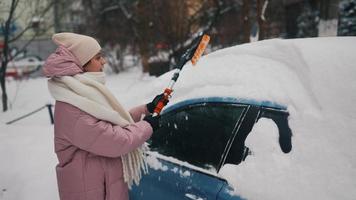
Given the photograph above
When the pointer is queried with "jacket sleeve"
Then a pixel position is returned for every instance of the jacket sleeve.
(104, 139)
(138, 111)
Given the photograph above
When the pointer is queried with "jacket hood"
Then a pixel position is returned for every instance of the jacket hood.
(62, 63)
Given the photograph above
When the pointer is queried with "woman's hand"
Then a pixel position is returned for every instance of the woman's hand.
(152, 105)
(153, 121)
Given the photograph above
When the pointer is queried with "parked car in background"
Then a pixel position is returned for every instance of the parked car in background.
(196, 138)
(24, 67)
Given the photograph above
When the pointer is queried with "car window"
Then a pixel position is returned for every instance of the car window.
(281, 120)
(197, 134)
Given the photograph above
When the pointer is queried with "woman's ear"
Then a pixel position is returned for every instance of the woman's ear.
(85, 65)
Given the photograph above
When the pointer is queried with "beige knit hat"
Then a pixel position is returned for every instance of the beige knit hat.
(83, 47)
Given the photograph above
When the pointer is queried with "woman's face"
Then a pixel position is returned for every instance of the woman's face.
(96, 64)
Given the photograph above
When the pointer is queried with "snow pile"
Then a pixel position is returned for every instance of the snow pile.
(27, 169)
(320, 97)
(314, 78)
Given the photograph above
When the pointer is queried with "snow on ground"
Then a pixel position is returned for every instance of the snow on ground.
(27, 162)
(314, 78)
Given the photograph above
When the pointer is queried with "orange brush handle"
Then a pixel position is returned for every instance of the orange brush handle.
(200, 49)
(161, 103)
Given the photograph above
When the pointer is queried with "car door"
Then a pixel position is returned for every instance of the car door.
(165, 180)
(192, 140)
(169, 178)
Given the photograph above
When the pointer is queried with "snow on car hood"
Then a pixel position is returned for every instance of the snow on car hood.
(316, 79)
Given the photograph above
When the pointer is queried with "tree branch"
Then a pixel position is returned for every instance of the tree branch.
(28, 27)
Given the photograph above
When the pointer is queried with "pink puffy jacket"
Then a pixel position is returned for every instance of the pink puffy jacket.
(89, 149)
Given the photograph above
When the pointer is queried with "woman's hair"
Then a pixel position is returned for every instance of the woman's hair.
(84, 66)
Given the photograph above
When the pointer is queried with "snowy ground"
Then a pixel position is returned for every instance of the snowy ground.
(314, 78)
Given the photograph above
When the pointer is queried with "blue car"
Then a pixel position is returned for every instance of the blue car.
(196, 138)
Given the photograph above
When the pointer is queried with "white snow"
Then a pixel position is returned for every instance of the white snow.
(185, 173)
(154, 163)
(314, 78)
(327, 28)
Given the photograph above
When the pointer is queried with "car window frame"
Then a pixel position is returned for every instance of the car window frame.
(270, 113)
(236, 127)
(241, 121)
(256, 115)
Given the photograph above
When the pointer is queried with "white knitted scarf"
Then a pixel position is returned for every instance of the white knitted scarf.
(87, 92)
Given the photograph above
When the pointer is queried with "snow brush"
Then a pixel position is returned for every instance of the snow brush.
(193, 53)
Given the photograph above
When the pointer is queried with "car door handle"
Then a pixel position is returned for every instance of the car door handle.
(193, 196)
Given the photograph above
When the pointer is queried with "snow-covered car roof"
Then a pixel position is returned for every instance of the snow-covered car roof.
(302, 73)
(315, 79)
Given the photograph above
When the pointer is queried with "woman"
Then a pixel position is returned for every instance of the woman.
(97, 142)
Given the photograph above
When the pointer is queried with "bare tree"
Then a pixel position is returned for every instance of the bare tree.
(158, 25)
(148, 24)
(38, 13)
(116, 24)
(4, 56)
(261, 6)
(201, 16)
(246, 20)
(329, 10)
(176, 22)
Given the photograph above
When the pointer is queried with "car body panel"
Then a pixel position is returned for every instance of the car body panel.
(161, 183)
(172, 180)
